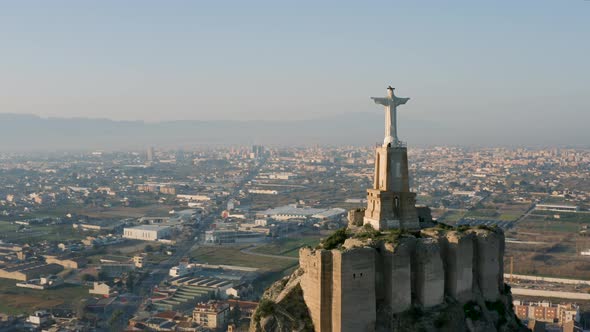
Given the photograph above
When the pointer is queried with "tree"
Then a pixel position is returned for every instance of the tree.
(87, 277)
(236, 314)
(115, 319)
(102, 275)
(129, 282)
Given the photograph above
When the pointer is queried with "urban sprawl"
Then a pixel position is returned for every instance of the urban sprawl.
(179, 240)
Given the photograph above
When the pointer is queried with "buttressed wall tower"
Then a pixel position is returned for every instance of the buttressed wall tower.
(390, 204)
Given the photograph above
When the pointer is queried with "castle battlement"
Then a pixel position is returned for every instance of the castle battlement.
(343, 287)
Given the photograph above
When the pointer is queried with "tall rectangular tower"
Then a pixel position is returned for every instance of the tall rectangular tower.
(390, 204)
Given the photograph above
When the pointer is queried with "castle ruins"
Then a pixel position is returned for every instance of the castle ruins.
(343, 286)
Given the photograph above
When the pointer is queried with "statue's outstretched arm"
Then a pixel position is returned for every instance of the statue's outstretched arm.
(401, 101)
(381, 101)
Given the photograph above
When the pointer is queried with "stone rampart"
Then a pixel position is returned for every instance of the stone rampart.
(457, 251)
(397, 273)
(316, 284)
(429, 275)
(489, 263)
(355, 217)
(354, 304)
(342, 287)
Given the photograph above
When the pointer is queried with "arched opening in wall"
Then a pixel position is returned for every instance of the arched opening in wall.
(377, 169)
(396, 206)
(354, 276)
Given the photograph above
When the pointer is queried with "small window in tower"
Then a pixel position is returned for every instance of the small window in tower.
(354, 276)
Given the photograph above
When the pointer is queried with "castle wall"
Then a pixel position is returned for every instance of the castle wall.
(488, 268)
(316, 284)
(354, 303)
(341, 288)
(355, 217)
(457, 252)
(397, 277)
(429, 275)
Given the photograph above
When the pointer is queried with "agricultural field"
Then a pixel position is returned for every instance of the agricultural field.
(10, 232)
(126, 212)
(580, 217)
(500, 212)
(550, 246)
(288, 246)
(124, 252)
(451, 217)
(15, 300)
(234, 255)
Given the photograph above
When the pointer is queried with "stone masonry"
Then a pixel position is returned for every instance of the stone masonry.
(390, 204)
(341, 287)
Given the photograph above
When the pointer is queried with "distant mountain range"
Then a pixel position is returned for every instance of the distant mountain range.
(33, 133)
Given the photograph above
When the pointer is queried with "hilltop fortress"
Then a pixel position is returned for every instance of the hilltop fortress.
(393, 268)
(346, 289)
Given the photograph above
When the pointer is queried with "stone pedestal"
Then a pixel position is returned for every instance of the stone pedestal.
(390, 204)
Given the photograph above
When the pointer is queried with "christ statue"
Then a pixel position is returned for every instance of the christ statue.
(391, 102)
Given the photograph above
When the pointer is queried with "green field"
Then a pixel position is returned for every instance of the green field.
(564, 216)
(7, 228)
(231, 255)
(483, 214)
(289, 246)
(15, 300)
(451, 217)
(507, 216)
(541, 223)
(35, 233)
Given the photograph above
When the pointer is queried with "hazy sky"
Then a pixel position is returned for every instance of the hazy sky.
(507, 65)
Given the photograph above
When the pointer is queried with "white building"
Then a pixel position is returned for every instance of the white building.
(147, 232)
(263, 191)
(179, 271)
(193, 197)
(557, 207)
(293, 211)
(40, 317)
(101, 288)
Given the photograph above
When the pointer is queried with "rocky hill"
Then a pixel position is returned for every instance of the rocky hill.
(436, 279)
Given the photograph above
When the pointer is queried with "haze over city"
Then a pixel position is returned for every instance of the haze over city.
(488, 73)
(281, 166)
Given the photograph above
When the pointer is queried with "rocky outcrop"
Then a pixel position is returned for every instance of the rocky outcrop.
(283, 308)
(434, 279)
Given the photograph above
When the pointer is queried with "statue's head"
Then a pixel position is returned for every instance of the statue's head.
(390, 91)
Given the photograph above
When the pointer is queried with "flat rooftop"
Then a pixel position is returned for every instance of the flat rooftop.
(149, 227)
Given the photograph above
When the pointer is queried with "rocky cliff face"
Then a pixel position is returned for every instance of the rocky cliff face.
(282, 307)
(359, 279)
